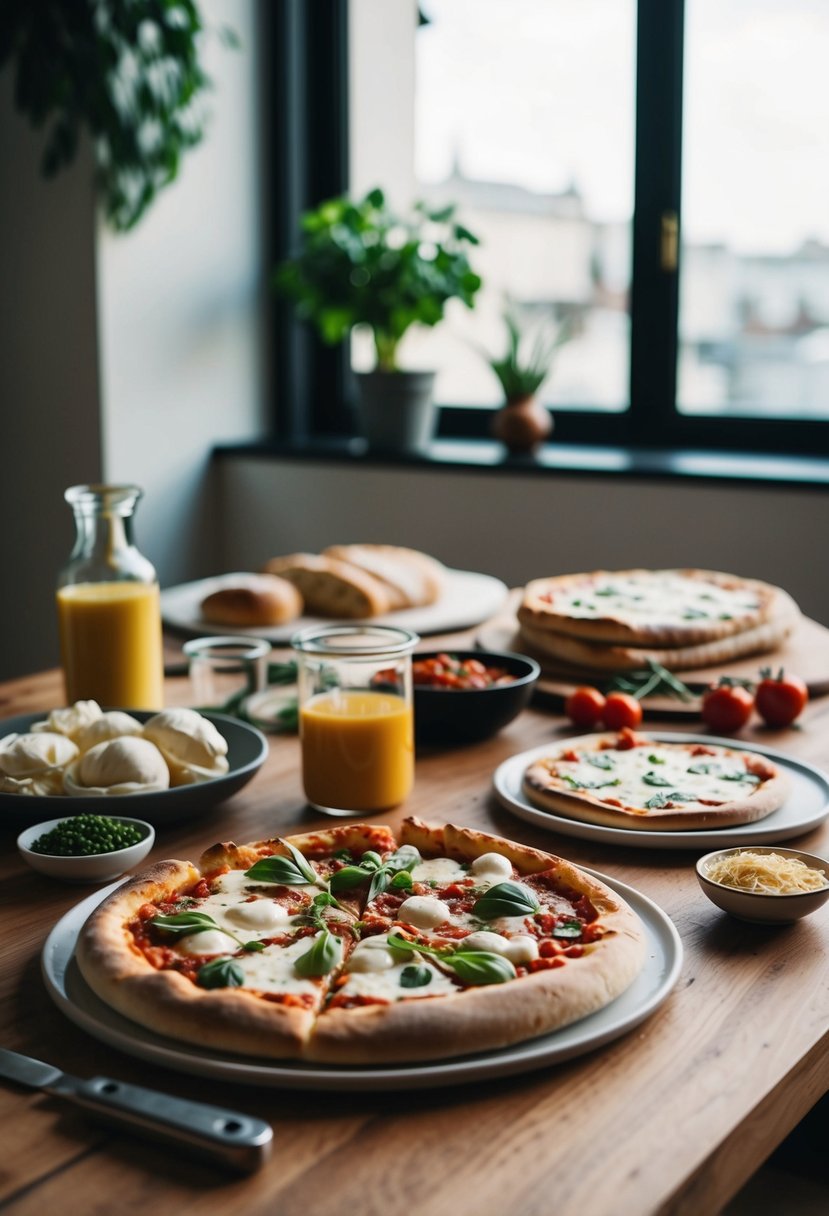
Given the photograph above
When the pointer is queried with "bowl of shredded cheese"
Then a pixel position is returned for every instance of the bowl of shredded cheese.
(773, 886)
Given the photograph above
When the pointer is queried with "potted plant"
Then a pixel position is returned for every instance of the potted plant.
(362, 264)
(126, 76)
(523, 422)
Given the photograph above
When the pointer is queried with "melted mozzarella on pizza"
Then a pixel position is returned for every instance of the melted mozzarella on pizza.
(238, 903)
(659, 597)
(651, 776)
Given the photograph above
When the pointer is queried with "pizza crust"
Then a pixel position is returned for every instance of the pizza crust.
(589, 807)
(475, 1019)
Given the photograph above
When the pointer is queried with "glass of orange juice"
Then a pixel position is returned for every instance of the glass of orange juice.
(356, 721)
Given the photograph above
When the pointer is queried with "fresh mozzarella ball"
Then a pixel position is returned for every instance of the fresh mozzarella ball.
(33, 763)
(424, 911)
(208, 941)
(492, 866)
(192, 746)
(258, 914)
(27, 755)
(375, 954)
(482, 939)
(118, 766)
(111, 725)
(70, 721)
(521, 949)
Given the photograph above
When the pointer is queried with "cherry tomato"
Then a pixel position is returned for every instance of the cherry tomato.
(585, 706)
(781, 698)
(621, 709)
(726, 707)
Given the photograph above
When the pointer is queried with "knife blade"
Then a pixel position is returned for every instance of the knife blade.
(237, 1141)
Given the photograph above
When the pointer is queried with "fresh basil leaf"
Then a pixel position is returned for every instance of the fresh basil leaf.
(344, 855)
(380, 880)
(347, 878)
(406, 858)
(220, 973)
(606, 591)
(702, 767)
(371, 860)
(695, 614)
(568, 928)
(480, 967)
(254, 946)
(505, 899)
(658, 800)
(602, 760)
(653, 758)
(402, 881)
(280, 870)
(324, 900)
(590, 785)
(181, 923)
(325, 954)
(655, 779)
(302, 863)
(400, 945)
(415, 975)
(749, 778)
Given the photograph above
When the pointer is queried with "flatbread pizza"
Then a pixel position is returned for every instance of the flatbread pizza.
(628, 780)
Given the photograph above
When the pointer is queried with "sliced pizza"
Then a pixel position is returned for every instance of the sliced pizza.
(627, 780)
(353, 946)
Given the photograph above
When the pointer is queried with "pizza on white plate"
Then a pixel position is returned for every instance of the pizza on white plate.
(628, 780)
(354, 946)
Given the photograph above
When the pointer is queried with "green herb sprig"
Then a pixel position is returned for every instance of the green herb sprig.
(477, 967)
(506, 899)
(656, 679)
(394, 872)
(182, 924)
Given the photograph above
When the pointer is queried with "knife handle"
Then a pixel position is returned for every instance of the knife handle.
(226, 1137)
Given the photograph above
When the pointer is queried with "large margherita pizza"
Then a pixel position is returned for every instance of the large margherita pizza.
(352, 946)
(628, 780)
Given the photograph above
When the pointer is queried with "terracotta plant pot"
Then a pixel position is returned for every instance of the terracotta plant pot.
(396, 410)
(522, 424)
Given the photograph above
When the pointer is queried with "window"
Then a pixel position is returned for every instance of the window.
(652, 175)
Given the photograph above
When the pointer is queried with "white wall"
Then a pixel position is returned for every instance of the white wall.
(133, 369)
(521, 527)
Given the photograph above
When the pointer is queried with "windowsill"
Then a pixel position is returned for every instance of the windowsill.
(564, 459)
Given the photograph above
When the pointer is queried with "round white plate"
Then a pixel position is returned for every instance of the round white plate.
(806, 806)
(663, 961)
(467, 599)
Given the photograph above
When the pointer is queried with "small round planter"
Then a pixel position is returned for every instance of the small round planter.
(522, 425)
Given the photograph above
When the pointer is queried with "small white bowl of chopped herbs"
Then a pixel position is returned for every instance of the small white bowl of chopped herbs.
(86, 848)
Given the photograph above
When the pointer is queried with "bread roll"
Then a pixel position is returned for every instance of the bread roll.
(412, 579)
(256, 600)
(332, 588)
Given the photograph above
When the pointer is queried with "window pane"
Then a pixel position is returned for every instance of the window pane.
(524, 117)
(754, 288)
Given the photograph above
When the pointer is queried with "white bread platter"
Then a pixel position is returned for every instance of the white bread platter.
(467, 599)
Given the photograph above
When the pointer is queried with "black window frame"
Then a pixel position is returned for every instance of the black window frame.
(308, 101)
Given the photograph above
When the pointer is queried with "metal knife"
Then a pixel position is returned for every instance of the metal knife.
(226, 1137)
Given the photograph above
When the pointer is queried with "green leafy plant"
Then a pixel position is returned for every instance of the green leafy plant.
(529, 354)
(362, 264)
(125, 73)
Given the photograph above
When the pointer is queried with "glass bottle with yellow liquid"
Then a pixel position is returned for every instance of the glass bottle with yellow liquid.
(109, 612)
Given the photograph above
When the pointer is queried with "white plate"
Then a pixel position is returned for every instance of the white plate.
(467, 599)
(806, 806)
(663, 961)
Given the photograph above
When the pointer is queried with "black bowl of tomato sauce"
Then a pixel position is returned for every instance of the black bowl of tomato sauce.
(463, 696)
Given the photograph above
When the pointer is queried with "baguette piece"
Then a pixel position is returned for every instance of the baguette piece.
(412, 579)
(330, 587)
(255, 600)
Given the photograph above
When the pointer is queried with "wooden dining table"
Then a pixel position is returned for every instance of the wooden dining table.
(672, 1116)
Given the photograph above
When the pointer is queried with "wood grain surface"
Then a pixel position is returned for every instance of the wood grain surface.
(671, 1118)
